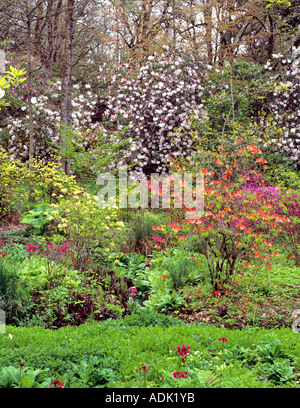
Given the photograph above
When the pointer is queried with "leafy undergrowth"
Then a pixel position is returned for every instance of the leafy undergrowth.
(265, 299)
(112, 354)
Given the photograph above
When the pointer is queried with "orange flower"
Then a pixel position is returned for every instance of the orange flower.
(208, 213)
(164, 276)
(177, 228)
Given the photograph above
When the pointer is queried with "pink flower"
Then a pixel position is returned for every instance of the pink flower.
(51, 246)
(133, 291)
(223, 339)
(89, 261)
(147, 262)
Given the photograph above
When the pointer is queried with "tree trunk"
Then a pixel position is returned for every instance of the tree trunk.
(66, 103)
(30, 119)
(50, 39)
(208, 30)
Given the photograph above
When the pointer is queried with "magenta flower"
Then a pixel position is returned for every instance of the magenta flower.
(31, 248)
(183, 350)
(223, 339)
(89, 261)
(56, 384)
(51, 246)
(147, 262)
(180, 374)
(145, 368)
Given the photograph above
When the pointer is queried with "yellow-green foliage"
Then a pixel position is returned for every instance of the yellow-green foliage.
(50, 182)
(11, 175)
(14, 77)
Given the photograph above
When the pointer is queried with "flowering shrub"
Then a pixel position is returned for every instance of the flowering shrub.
(50, 182)
(151, 98)
(85, 224)
(284, 104)
(237, 222)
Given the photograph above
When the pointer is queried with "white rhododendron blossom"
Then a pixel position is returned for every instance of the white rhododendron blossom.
(152, 102)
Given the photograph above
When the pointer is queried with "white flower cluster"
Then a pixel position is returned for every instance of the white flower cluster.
(162, 96)
(285, 107)
(46, 114)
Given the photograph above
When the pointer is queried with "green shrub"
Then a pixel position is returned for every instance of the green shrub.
(270, 352)
(280, 371)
